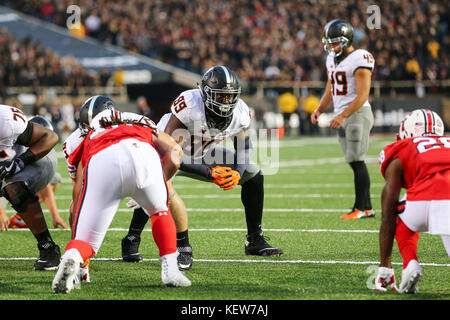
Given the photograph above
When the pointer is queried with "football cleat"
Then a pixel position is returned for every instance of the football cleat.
(185, 257)
(17, 222)
(256, 245)
(411, 276)
(130, 249)
(358, 214)
(170, 275)
(67, 276)
(49, 257)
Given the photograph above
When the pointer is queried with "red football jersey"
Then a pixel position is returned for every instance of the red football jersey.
(102, 138)
(426, 166)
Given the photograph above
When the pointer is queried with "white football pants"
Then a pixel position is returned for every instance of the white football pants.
(129, 168)
(429, 216)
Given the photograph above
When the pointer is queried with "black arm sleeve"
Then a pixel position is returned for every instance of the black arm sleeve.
(200, 170)
(25, 137)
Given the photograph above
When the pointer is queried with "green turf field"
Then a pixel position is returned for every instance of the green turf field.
(324, 257)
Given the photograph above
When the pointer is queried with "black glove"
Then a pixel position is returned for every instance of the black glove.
(9, 168)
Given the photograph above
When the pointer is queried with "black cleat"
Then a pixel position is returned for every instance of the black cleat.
(130, 249)
(185, 258)
(256, 245)
(49, 256)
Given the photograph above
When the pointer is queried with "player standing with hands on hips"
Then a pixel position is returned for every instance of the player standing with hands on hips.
(348, 88)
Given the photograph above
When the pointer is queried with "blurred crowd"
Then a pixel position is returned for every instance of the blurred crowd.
(26, 63)
(264, 39)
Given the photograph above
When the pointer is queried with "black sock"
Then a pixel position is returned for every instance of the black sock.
(362, 186)
(43, 236)
(138, 222)
(183, 239)
(252, 197)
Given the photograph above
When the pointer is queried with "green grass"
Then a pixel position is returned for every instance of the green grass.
(323, 259)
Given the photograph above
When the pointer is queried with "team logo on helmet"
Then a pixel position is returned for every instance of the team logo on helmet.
(421, 122)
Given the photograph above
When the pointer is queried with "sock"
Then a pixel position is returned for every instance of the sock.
(407, 242)
(183, 239)
(138, 222)
(43, 236)
(164, 232)
(252, 197)
(84, 248)
(362, 185)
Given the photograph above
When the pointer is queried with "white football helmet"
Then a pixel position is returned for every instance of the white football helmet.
(421, 122)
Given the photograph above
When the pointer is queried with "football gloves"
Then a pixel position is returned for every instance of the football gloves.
(225, 177)
(385, 280)
(10, 167)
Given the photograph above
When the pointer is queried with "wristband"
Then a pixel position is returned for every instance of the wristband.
(27, 157)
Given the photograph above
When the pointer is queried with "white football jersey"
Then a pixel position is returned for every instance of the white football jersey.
(341, 75)
(12, 124)
(73, 142)
(189, 109)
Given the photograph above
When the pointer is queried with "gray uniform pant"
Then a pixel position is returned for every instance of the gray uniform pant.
(354, 134)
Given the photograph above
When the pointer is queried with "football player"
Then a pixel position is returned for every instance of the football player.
(45, 195)
(419, 162)
(28, 162)
(200, 119)
(93, 106)
(348, 87)
(120, 157)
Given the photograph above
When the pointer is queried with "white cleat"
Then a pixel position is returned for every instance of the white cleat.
(171, 276)
(411, 276)
(68, 275)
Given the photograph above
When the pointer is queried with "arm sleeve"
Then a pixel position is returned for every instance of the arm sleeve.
(200, 170)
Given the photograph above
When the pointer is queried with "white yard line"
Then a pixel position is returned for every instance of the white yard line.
(191, 210)
(238, 196)
(236, 229)
(254, 261)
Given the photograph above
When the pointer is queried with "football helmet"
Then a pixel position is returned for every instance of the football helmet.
(220, 89)
(43, 121)
(92, 107)
(337, 31)
(421, 122)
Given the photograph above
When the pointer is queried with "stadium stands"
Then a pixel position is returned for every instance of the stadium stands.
(264, 40)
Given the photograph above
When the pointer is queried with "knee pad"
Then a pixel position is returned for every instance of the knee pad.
(19, 195)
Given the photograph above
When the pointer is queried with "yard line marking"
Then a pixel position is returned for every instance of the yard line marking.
(198, 210)
(237, 229)
(255, 261)
(314, 162)
(238, 196)
(268, 185)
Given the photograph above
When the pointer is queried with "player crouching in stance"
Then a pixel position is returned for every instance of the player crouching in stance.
(28, 162)
(200, 120)
(419, 162)
(121, 158)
